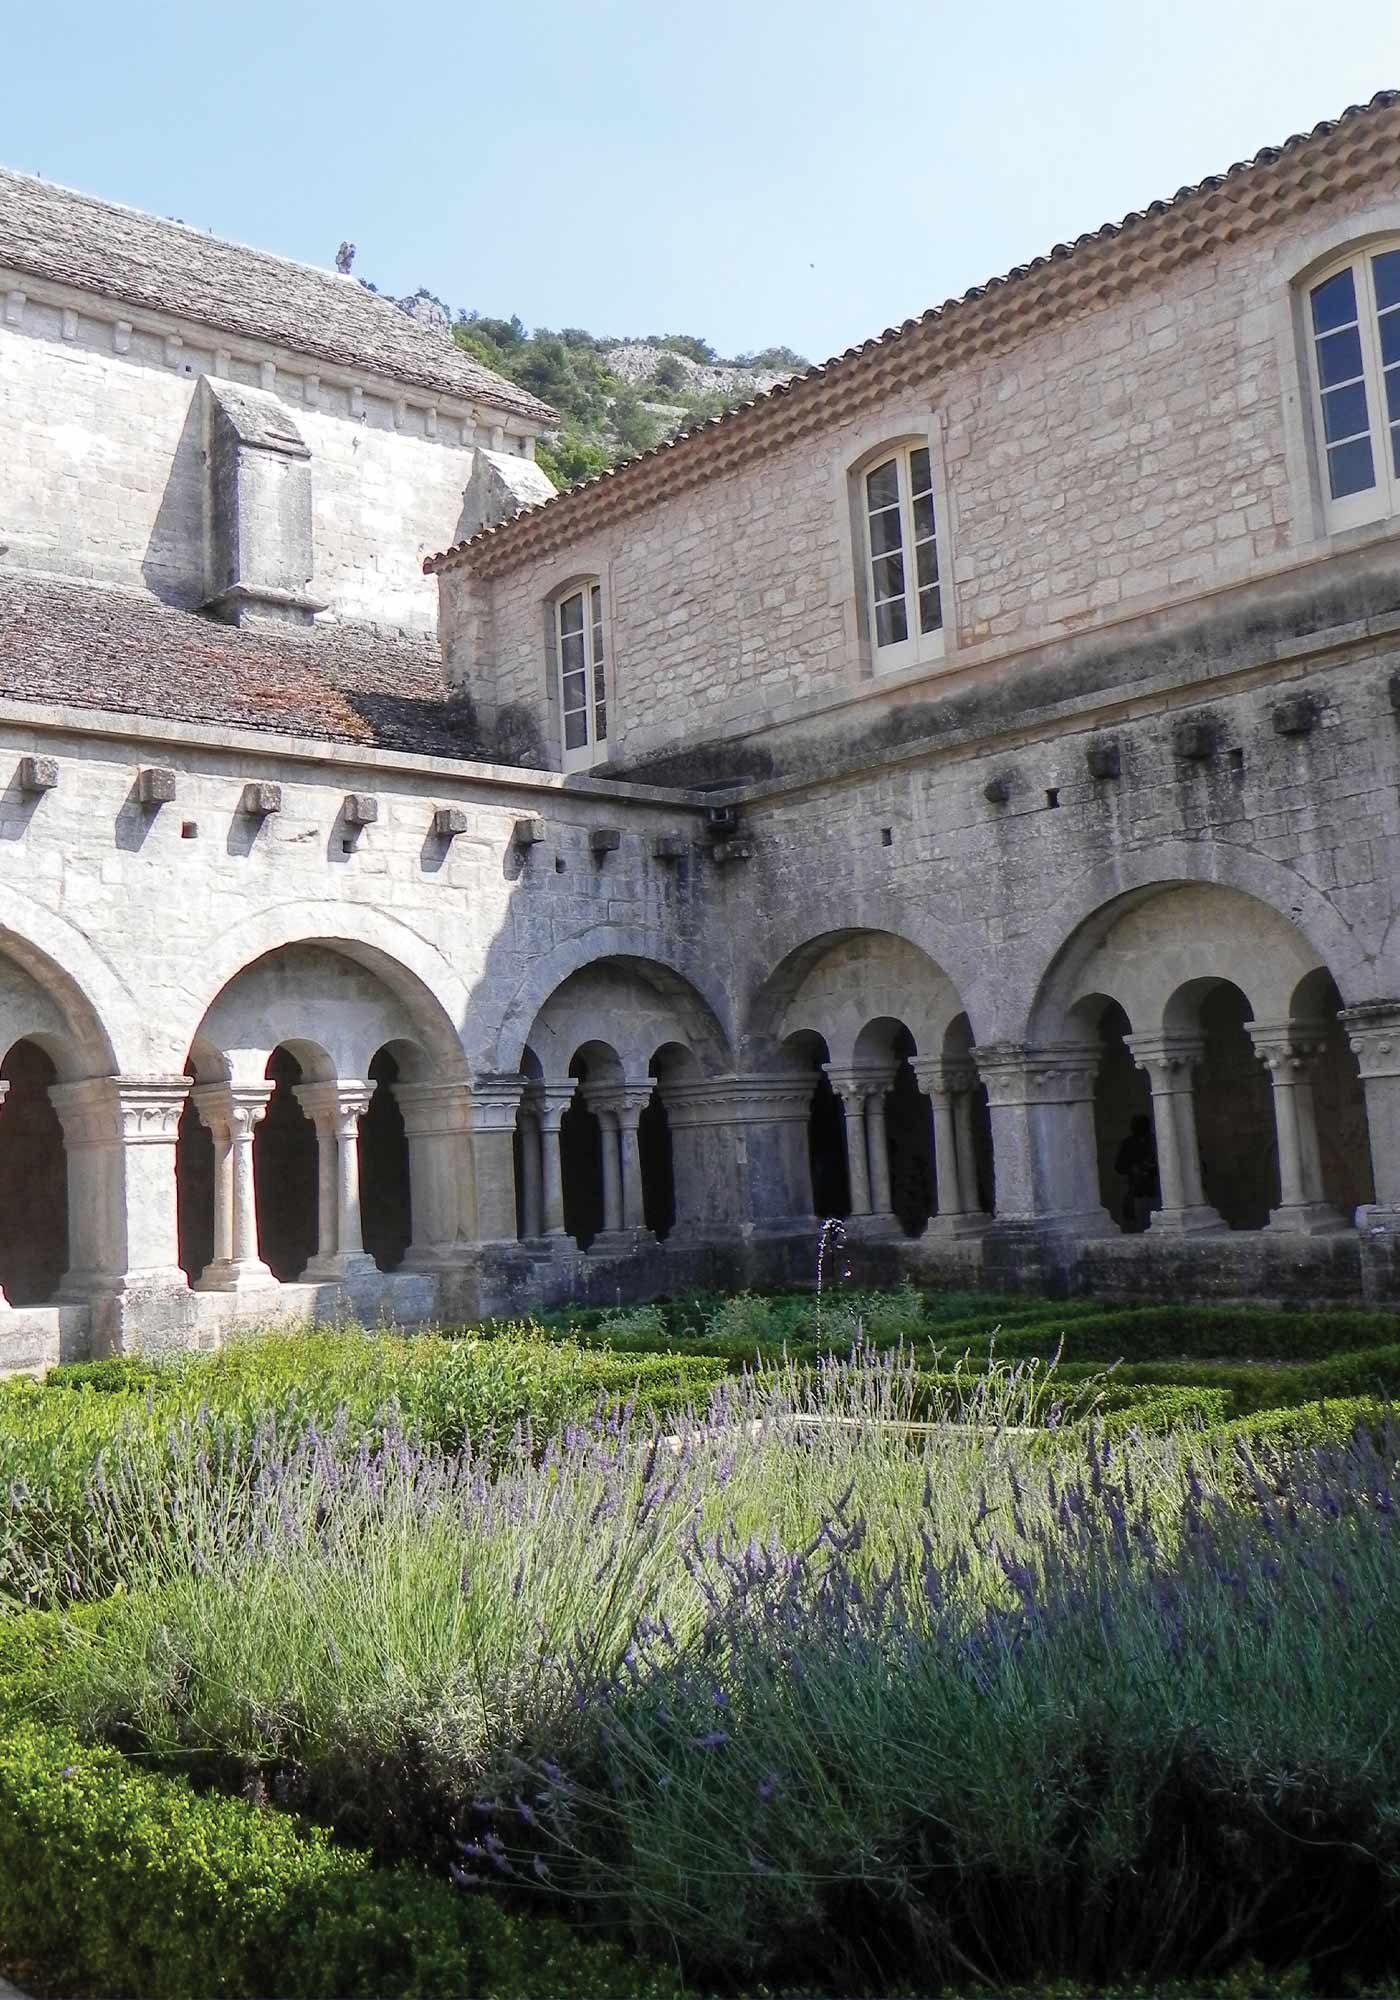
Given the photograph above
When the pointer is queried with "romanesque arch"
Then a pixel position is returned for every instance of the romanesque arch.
(1206, 1079)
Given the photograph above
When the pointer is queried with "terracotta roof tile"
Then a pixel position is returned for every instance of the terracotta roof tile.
(89, 646)
(98, 246)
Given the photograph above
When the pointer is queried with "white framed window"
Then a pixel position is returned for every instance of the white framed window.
(904, 590)
(581, 662)
(1353, 333)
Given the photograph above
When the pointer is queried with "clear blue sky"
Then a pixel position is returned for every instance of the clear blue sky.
(755, 173)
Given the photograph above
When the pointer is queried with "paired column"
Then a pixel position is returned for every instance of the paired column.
(1373, 1028)
(119, 1134)
(554, 1101)
(1289, 1052)
(950, 1085)
(531, 1170)
(618, 1108)
(862, 1091)
(1169, 1062)
(335, 1109)
(232, 1116)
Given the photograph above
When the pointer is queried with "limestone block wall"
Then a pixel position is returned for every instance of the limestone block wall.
(102, 445)
(1145, 455)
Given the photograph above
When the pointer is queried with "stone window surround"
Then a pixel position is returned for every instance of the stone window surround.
(581, 568)
(902, 429)
(192, 349)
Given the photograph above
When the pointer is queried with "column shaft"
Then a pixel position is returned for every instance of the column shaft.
(532, 1192)
(633, 1214)
(946, 1164)
(612, 1144)
(966, 1152)
(879, 1150)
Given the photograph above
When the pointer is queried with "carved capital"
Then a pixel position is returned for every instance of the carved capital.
(860, 1081)
(338, 1105)
(494, 1100)
(1167, 1059)
(434, 1110)
(1288, 1049)
(1018, 1073)
(121, 1111)
(624, 1101)
(945, 1076)
(230, 1112)
(1373, 1029)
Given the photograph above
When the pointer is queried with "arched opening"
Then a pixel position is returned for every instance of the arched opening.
(898, 1126)
(1339, 1103)
(1125, 1142)
(1235, 1132)
(285, 1159)
(527, 1159)
(672, 1063)
(803, 1054)
(581, 1142)
(194, 1188)
(33, 1180)
(386, 1215)
(975, 1128)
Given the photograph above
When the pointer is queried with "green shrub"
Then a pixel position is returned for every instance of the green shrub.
(119, 1882)
(1307, 1426)
(1150, 1333)
(1156, 1410)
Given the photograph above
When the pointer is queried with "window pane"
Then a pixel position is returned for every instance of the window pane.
(882, 486)
(600, 686)
(1392, 395)
(927, 564)
(575, 730)
(1395, 448)
(1350, 468)
(884, 532)
(1334, 303)
(1344, 412)
(575, 691)
(1385, 269)
(889, 577)
(1390, 336)
(1339, 357)
(571, 613)
(597, 623)
(921, 477)
(600, 722)
(891, 625)
(572, 653)
(930, 610)
(923, 518)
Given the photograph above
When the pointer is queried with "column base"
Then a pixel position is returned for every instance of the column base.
(619, 1242)
(236, 1274)
(338, 1270)
(1311, 1218)
(962, 1224)
(864, 1228)
(1202, 1220)
(1375, 1220)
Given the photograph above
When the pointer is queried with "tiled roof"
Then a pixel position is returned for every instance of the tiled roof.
(1337, 156)
(98, 246)
(84, 645)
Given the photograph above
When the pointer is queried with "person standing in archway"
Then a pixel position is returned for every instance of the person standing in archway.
(1137, 1164)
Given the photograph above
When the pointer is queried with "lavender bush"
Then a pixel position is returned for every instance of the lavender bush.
(797, 1691)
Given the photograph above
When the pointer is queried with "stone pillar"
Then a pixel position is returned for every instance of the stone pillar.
(710, 1155)
(437, 1125)
(629, 1110)
(878, 1147)
(489, 1197)
(1041, 1099)
(232, 1116)
(618, 1108)
(335, 1109)
(4, 1093)
(1169, 1061)
(119, 1134)
(555, 1099)
(949, 1085)
(610, 1134)
(1289, 1052)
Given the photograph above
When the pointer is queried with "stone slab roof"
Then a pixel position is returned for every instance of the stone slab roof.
(1279, 182)
(85, 645)
(119, 253)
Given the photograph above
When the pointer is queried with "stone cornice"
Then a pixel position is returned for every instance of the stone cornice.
(1145, 248)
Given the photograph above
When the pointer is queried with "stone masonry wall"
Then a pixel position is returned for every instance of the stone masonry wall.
(1144, 455)
(101, 445)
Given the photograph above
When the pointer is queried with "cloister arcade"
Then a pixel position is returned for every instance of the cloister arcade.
(1188, 1067)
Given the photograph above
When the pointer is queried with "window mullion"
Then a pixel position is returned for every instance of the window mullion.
(1376, 404)
(911, 568)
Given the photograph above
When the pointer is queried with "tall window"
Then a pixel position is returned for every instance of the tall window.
(1354, 328)
(906, 599)
(583, 686)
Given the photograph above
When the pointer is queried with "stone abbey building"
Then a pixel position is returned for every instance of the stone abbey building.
(958, 791)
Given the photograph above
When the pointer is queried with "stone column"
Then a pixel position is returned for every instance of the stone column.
(610, 1135)
(630, 1107)
(878, 1147)
(489, 1195)
(4, 1093)
(437, 1125)
(711, 1154)
(1373, 1029)
(119, 1134)
(1041, 1099)
(853, 1088)
(1289, 1052)
(335, 1109)
(555, 1099)
(949, 1085)
(1169, 1061)
(618, 1108)
(232, 1116)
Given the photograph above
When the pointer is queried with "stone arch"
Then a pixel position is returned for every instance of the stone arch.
(837, 984)
(498, 1043)
(634, 1006)
(434, 998)
(72, 1006)
(1011, 994)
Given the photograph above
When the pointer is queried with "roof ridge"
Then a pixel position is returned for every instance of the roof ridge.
(823, 371)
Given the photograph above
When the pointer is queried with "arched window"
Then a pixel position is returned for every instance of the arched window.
(899, 528)
(1353, 328)
(583, 680)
